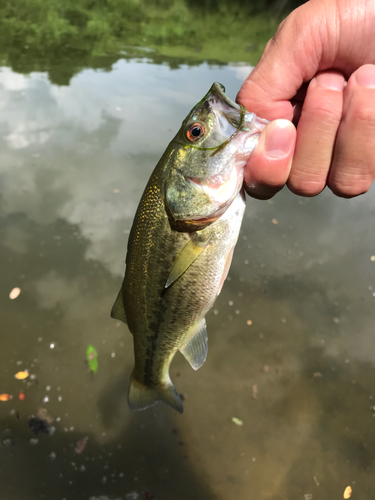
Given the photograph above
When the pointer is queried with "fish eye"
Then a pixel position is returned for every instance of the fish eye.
(195, 132)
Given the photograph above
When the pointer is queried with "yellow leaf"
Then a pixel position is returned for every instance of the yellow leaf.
(348, 492)
(5, 397)
(21, 375)
(14, 293)
(237, 421)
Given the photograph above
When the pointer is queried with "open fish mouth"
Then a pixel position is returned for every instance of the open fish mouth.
(218, 90)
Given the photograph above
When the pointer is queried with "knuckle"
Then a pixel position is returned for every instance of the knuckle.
(364, 114)
(349, 189)
(327, 111)
(351, 178)
(308, 188)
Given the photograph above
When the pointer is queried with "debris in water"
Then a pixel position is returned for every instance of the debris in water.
(15, 293)
(317, 375)
(5, 397)
(133, 495)
(372, 258)
(21, 396)
(266, 368)
(92, 358)
(21, 375)
(348, 492)
(254, 391)
(237, 421)
(249, 322)
(81, 445)
(44, 415)
(116, 191)
(275, 221)
(41, 422)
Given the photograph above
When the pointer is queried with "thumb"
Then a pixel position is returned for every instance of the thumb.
(293, 56)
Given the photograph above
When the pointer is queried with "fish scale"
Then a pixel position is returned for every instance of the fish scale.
(181, 243)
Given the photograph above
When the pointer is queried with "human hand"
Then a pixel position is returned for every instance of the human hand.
(323, 43)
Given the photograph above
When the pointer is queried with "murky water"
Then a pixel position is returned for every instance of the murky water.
(291, 337)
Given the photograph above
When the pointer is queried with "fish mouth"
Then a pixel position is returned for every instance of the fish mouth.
(218, 90)
(234, 112)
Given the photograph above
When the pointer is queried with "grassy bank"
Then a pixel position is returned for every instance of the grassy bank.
(63, 36)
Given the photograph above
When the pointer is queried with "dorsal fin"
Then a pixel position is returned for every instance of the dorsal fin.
(118, 310)
(193, 248)
(195, 351)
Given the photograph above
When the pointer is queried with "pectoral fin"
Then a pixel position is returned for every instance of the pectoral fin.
(118, 310)
(195, 351)
(193, 248)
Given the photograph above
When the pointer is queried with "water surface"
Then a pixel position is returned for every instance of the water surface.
(291, 337)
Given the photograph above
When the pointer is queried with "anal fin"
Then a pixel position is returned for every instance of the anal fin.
(118, 309)
(195, 350)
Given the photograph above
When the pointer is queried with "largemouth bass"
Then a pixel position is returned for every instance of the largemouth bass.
(181, 243)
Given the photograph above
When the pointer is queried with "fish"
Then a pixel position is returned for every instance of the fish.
(181, 243)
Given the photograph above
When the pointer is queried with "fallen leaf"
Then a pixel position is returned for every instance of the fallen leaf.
(21, 375)
(92, 358)
(275, 221)
(237, 421)
(348, 492)
(21, 396)
(15, 293)
(81, 445)
(5, 397)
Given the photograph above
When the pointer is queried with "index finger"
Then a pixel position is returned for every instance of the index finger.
(292, 57)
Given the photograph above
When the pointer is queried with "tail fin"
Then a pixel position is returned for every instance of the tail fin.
(142, 396)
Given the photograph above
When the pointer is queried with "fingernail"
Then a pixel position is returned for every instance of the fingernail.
(330, 80)
(278, 140)
(365, 76)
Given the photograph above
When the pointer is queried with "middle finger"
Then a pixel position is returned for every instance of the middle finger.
(316, 133)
